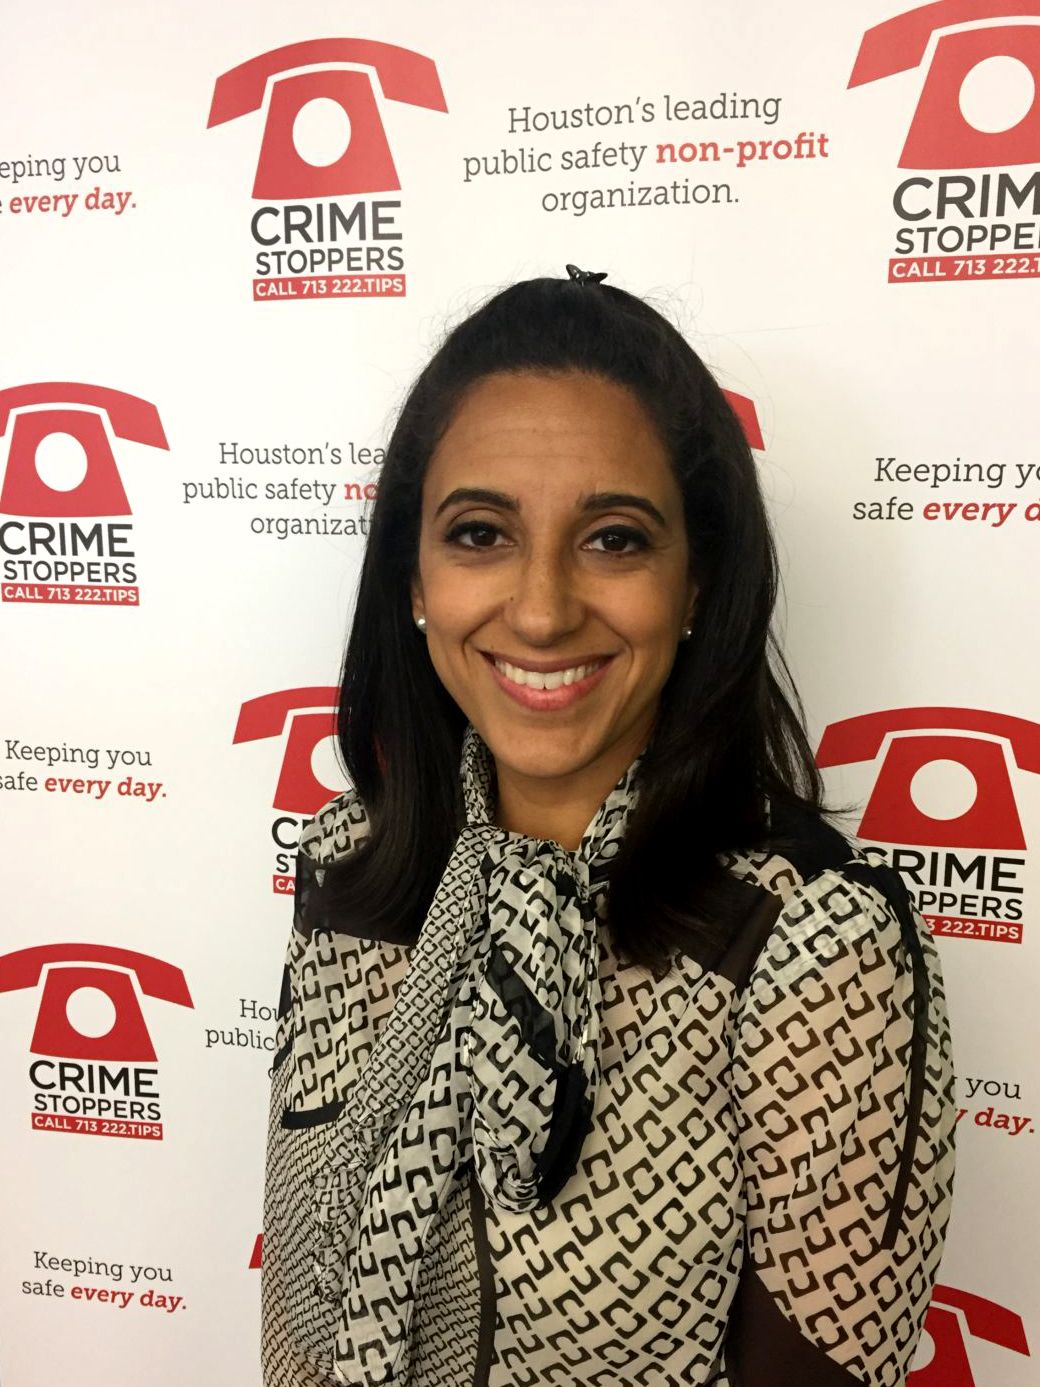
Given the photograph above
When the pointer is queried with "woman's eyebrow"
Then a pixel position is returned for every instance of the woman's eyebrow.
(596, 501)
(608, 500)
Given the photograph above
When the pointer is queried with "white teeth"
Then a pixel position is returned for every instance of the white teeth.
(555, 680)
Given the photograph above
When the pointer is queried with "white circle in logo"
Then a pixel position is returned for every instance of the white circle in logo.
(321, 132)
(324, 765)
(944, 789)
(997, 94)
(925, 1352)
(61, 461)
(90, 1012)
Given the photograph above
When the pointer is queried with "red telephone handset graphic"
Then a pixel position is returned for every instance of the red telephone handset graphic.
(366, 165)
(983, 1319)
(298, 791)
(68, 968)
(940, 137)
(972, 737)
(747, 414)
(101, 491)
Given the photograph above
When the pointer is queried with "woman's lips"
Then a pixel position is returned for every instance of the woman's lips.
(548, 700)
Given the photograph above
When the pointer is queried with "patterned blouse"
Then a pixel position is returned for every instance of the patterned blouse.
(762, 1200)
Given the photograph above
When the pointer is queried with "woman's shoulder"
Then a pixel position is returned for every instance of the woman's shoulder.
(802, 845)
(821, 891)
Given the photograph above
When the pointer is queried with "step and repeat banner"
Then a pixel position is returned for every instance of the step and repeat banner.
(231, 237)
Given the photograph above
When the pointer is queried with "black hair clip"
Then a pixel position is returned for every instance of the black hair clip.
(585, 276)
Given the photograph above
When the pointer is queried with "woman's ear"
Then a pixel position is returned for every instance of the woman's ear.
(691, 604)
(418, 606)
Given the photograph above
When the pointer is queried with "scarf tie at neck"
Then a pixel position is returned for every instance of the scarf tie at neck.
(488, 1060)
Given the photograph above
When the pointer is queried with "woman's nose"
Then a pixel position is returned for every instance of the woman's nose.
(544, 604)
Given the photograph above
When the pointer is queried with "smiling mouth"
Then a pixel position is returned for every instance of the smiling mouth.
(547, 679)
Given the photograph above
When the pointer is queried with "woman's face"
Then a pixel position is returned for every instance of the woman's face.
(553, 571)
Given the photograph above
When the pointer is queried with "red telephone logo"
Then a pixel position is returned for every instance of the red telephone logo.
(68, 968)
(939, 136)
(298, 791)
(101, 491)
(979, 741)
(747, 416)
(951, 1315)
(366, 165)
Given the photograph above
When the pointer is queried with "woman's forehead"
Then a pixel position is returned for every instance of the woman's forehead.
(569, 416)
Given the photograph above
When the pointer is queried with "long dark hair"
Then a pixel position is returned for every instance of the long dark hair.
(725, 733)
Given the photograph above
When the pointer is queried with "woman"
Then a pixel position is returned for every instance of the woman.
(602, 1057)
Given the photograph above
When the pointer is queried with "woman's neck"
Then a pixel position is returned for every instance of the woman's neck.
(557, 807)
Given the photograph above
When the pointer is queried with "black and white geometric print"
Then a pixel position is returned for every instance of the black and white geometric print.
(489, 1058)
(760, 1197)
(843, 1090)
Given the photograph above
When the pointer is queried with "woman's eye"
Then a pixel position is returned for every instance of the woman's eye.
(480, 534)
(619, 539)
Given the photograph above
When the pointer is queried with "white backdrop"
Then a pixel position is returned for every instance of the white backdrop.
(177, 569)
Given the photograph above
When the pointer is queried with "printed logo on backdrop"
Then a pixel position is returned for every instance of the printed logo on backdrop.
(303, 723)
(956, 1321)
(968, 206)
(944, 807)
(95, 1070)
(62, 538)
(322, 231)
(747, 416)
